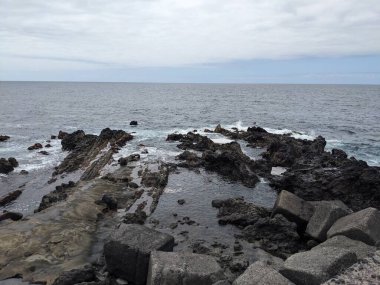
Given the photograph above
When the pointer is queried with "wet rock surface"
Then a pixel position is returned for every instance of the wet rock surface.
(10, 197)
(4, 138)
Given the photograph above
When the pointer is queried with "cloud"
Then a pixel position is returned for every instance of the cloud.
(171, 33)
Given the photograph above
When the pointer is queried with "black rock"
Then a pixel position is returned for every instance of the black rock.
(109, 201)
(133, 123)
(10, 215)
(10, 197)
(35, 146)
(13, 161)
(4, 138)
(181, 201)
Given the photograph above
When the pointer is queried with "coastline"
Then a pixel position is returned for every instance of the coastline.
(86, 208)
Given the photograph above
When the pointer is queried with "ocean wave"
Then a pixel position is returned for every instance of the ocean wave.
(294, 134)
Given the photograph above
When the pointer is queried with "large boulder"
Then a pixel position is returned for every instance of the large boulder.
(361, 249)
(317, 265)
(172, 268)
(363, 225)
(293, 208)
(325, 215)
(260, 273)
(128, 250)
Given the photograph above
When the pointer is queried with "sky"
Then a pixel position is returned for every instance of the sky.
(239, 41)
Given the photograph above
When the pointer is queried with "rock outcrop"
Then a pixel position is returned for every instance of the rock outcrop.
(4, 200)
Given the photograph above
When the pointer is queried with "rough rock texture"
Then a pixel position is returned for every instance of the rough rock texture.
(13, 162)
(325, 215)
(226, 159)
(366, 271)
(128, 250)
(172, 268)
(10, 197)
(276, 235)
(363, 225)
(260, 273)
(237, 212)
(75, 276)
(318, 265)
(293, 208)
(361, 249)
(84, 148)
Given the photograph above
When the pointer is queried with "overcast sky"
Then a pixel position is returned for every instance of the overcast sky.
(325, 41)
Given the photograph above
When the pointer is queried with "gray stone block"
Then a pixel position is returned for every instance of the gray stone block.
(361, 249)
(128, 250)
(260, 273)
(325, 215)
(172, 268)
(317, 265)
(293, 208)
(363, 225)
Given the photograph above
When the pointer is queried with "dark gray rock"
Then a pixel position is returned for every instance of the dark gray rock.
(325, 215)
(260, 273)
(128, 250)
(13, 162)
(109, 201)
(293, 208)
(35, 146)
(317, 265)
(4, 138)
(133, 123)
(172, 268)
(363, 225)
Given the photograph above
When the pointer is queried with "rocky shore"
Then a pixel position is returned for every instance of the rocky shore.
(99, 224)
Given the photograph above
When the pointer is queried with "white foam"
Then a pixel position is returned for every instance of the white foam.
(294, 134)
(221, 140)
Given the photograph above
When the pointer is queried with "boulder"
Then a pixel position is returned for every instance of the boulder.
(61, 135)
(315, 266)
(9, 197)
(75, 276)
(361, 249)
(260, 273)
(325, 215)
(35, 146)
(363, 225)
(172, 268)
(128, 250)
(5, 166)
(293, 208)
(133, 123)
